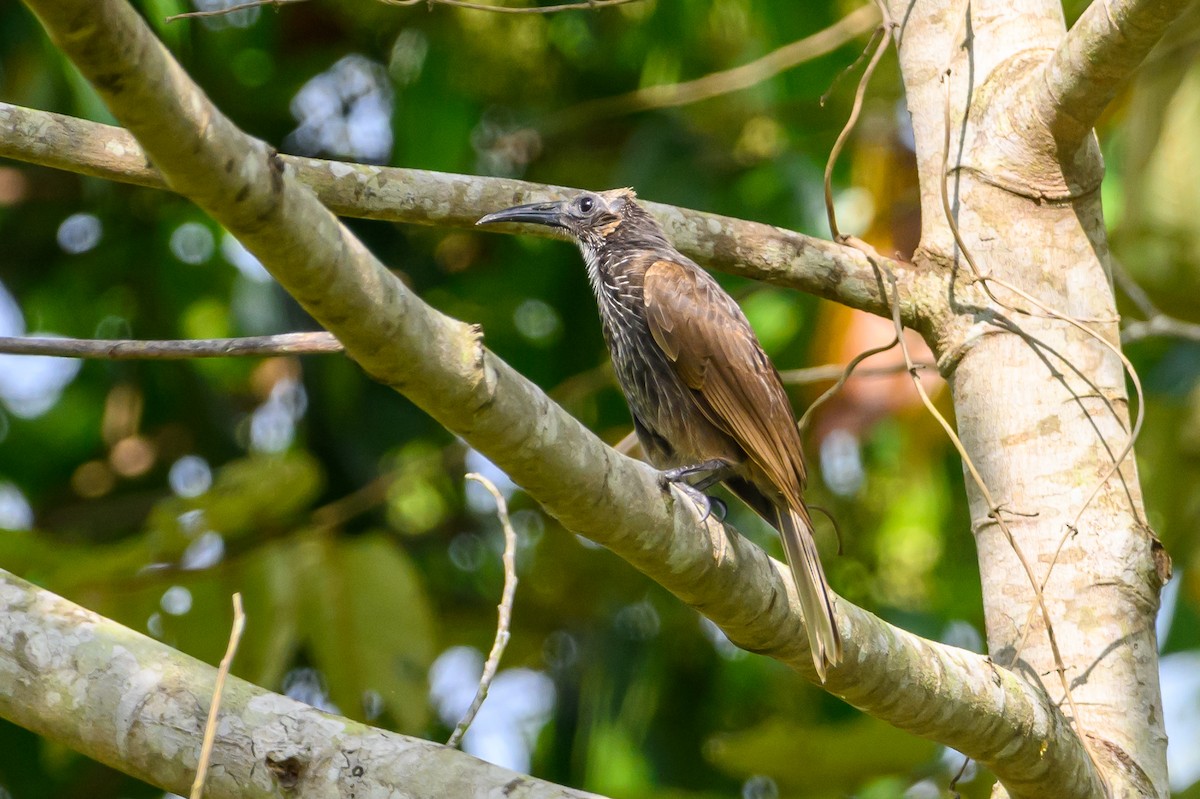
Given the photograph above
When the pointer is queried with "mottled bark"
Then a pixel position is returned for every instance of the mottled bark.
(1040, 404)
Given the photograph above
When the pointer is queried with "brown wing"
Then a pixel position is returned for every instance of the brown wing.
(714, 350)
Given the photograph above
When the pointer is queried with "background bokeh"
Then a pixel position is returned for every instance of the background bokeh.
(370, 569)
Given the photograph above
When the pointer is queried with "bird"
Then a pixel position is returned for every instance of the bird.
(708, 405)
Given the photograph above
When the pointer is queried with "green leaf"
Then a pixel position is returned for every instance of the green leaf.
(368, 627)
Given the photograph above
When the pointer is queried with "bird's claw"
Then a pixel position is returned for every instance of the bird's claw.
(676, 477)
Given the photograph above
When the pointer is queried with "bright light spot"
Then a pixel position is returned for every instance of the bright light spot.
(479, 499)
(372, 703)
(638, 622)
(1179, 674)
(190, 521)
(467, 551)
(760, 787)
(79, 233)
(529, 525)
(308, 686)
(271, 428)
(12, 321)
(963, 635)
(1166, 608)
(15, 513)
(855, 208)
(519, 704)
(537, 321)
(345, 111)
(176, 600)
(133, 456)
(953, 761)
(841, 463)
(190, 476)
(250, 267)
(560, 650)
(720, 641)
(453, 679)
(192, 243)
(502, 147)
(925, 789)
(242, 18)
(30, 385)
(290, 394)
(408, 56)
(203, 553)
(154, 625)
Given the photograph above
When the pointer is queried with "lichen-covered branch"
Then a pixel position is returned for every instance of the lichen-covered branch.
(416, 196)
(939, 692)
(140, 706)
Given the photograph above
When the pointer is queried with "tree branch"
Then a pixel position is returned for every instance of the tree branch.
(1102, 49)
(669, 95)
(136, 704)
(316, 343)
(936, 691)
(415, 196)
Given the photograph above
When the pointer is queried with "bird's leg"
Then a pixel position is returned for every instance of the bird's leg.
(710, 472)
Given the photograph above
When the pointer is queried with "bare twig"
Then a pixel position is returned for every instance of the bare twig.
(836, 371)
(315, 343)
(586, 4)
(210, 727)
(504, 610)
(841, 381)
(1156, 324)
(852, 120)
(220, 12)
(727, 81)
(1161, 326)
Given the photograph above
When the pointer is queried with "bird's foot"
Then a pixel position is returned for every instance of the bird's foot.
(713, 472)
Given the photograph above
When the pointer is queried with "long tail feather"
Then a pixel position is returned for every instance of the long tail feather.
(819, 620)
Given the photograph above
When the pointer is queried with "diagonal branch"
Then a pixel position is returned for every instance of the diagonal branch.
(416, 196)
(936, 691)
(1102, 49)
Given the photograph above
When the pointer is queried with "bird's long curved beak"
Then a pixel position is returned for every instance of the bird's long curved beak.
(549, 214)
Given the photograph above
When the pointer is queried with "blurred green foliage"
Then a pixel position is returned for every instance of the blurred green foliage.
(340, 512)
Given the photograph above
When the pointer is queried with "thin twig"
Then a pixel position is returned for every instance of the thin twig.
(586, 4)
(210, 727)
(852, 120)
(836, 371)
(727, 81)
(1160, 326)
(315, 343)
(504, 610)
(836, 387)
(1156, 324)
(220, 12)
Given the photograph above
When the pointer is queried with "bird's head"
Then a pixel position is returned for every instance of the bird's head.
(593, 219)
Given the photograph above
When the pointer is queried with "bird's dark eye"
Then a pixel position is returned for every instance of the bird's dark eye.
(586, 204)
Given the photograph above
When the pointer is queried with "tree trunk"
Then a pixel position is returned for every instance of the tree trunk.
(1041, 403)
